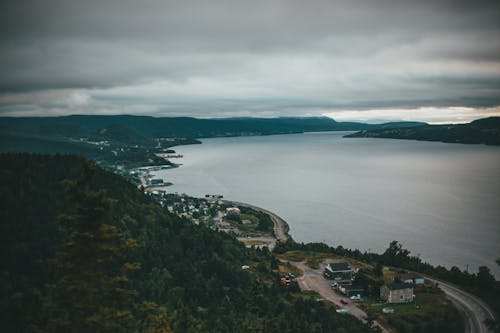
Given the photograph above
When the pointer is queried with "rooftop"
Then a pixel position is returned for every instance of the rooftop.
(339, 266)
(408, 276)
(399, 286)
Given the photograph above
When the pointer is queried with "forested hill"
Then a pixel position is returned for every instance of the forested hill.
(152, 127)
(75, 261)
(485, 131)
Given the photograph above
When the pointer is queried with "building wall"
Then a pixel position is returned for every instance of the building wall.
(396, 296)
(400, 295)
(384, 293)
(419, 281)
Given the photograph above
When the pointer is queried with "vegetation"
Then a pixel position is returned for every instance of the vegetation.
(101, 256)
(432, 312)
(264, 222)
(141, 127)
(485, 131)
(482, 283)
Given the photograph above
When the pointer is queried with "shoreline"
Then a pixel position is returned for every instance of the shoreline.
(281, 227)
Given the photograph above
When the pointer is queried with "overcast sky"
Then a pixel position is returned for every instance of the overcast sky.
(436, 61)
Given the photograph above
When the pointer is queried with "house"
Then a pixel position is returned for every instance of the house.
(223, 225)
(232, 210)
(340, 271)
(411, 278)
(397, 292)
(352, 291)
(247, 222)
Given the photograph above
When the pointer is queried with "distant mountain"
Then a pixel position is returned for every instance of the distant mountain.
(152, 127)
(486, 131)
(123, 135)
(132, 141)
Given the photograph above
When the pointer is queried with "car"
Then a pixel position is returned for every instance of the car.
(344, 301)
(388, 310)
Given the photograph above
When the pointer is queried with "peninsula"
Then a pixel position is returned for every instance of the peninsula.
(485, 131)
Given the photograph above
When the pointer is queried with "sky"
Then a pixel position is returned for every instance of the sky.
(374, 60)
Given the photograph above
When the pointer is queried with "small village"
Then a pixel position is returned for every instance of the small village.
(382, 296)
(218, 214)
(385, 296)
(399, 290)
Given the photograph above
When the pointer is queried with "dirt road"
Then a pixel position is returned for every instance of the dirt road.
(313, 279)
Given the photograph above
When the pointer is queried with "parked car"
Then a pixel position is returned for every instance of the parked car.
(344, 301)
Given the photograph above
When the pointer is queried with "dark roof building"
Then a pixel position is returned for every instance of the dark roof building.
(352, 291)
(339, 266)
(340, 271)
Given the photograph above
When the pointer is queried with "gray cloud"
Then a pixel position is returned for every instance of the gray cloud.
(224, 58)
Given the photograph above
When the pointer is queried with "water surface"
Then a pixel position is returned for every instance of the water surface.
(440, 200)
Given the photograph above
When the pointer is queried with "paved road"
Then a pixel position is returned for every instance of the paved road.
(313, 279)
(474, 311)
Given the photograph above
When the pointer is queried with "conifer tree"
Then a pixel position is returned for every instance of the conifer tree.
(90, 292)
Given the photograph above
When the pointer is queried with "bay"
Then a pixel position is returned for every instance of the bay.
(441, 201)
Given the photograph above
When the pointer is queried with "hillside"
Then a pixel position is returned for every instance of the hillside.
(152, 127)
(191, 273)
(125, 142)
(485, 131)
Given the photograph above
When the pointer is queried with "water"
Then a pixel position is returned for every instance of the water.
(441, 201)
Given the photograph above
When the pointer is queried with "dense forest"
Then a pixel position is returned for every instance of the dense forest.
(82, 250)
(485, 131)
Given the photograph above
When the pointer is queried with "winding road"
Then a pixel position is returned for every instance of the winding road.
(473, 310)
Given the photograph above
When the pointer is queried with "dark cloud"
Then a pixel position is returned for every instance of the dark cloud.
(234, 57)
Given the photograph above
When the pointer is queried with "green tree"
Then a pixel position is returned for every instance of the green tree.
(90, 292)
(485, 279)
(395, 254)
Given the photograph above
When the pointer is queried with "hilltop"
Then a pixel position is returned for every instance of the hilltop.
(155, 127)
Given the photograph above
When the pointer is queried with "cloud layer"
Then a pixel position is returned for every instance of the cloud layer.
(249, 58)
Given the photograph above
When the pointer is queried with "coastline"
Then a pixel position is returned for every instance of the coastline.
(281, 227)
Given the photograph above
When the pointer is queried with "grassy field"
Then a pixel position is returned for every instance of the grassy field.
(285, 268)
(311, 258)
(430, 312)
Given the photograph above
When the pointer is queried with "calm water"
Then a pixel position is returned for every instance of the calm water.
(440, 200)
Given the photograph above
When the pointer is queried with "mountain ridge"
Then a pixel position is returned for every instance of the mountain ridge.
(186, 126)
